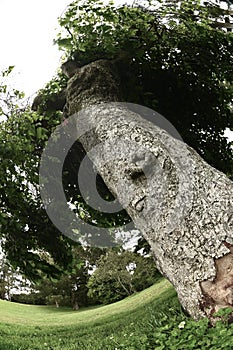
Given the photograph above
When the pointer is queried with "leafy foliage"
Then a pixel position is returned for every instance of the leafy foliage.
(7, 280)
(70, 289)
(9, 98)
(25, 226)
(120, 274)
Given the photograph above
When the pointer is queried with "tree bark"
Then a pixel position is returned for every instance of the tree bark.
(181, 205)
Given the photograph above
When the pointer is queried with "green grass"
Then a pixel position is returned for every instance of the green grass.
(32, 315)
(150, 320)
(32, 327)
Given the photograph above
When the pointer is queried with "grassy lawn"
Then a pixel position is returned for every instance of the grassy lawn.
(148, 320)
(40, 327)
(31, 315)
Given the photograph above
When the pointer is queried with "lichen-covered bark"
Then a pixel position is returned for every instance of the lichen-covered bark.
(182, 206)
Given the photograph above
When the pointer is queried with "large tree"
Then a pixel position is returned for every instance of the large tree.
(25, 229)
(168, 59)
(182, 205)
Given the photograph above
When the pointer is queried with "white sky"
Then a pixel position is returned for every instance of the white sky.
(229, 134)
(27, 30)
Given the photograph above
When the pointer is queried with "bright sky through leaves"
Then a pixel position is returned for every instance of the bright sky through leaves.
(27, 30)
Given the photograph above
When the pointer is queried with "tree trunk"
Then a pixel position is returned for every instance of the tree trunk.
(75, 306)
(74, 302)
(181, 205)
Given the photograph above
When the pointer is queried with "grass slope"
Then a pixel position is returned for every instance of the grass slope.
(150, 320)
(28, 327)
(31, 315)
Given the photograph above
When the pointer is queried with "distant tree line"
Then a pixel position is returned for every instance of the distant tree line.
(101, 277)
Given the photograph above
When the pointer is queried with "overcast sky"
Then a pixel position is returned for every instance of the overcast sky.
(27, 30)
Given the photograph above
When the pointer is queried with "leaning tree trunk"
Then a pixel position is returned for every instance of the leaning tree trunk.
(181, 205)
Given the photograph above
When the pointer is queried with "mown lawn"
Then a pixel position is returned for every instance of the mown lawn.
(31, 315)
(40, 327)
(149, 320)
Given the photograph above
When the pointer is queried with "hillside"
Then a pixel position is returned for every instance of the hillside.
(31, 315)
(149, 320)
(28, 327)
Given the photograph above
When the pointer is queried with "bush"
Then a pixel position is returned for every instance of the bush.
(32, 298)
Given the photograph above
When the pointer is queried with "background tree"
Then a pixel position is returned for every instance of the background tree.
(24, 225)
(11, 281)
(70, 288)
(119, 274)
(7, 280)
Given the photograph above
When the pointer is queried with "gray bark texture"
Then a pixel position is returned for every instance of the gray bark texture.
(181, 205)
